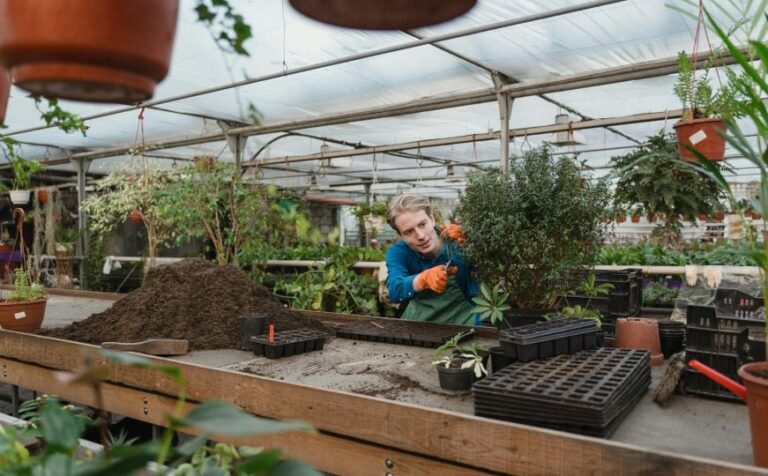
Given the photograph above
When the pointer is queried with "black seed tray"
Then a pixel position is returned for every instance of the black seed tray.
(596, 431)
(696, 383)
(395, 337)
(710, 317)
(288, 343)
(546, 339)
(587, 382)
(542, 331)
(751, 345)
(622, 301)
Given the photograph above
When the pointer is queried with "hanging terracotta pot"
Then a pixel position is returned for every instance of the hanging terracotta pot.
(5, 92)
(707, 136)
(88, 50)
(42, 196)
(755, 376)
(383, 14)
(135, 217)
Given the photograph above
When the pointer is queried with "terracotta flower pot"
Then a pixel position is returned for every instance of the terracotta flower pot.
(635, 218)
(42, 196)
(651, 218)
(383, 14)
(757, 401)
(703, 217)
(720, 216)
(5, 92)
(135, 217)
(621, 218)
(704, 135)
(22, 316)
(88, 50)
(638, 333)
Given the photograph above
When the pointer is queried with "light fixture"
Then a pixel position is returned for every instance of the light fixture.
(452, 175)
(567, 137)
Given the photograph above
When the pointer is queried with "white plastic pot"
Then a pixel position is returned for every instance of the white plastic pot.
(19, 197)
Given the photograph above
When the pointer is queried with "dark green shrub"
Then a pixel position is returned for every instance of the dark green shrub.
(526, 229)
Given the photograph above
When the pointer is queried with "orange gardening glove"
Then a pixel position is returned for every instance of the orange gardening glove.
(453, 232)
(435, 278)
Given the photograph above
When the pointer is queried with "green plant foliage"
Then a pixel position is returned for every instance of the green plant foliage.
(659, 295)
(60, 427)
(24, 287)
(378, 209)
(22, 168)
(465, 356)
(699, 98)
(244, 222)
(528, 228)
(653, 180)
(333, 286)
(730, 254)
(590, 290)
(228, 27)
(491, 304)
(93, 278)
(58, 117)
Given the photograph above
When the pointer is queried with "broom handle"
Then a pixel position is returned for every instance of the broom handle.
(734, 387)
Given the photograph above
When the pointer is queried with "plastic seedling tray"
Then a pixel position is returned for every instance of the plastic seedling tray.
(546, 339)
(394, 336)
(288, 343)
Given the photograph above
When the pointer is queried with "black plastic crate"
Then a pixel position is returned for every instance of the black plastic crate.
(735, 303)
(751, 345)
(727, 364)
(715, 340)
(696, 383)
(622, 301)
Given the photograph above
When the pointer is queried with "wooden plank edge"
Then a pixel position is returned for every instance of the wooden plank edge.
(78, 293)
(492, 445)
(329, 453)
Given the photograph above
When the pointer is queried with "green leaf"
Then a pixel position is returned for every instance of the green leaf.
(142, 363)
(220, 418)
(261, 463)
(294, 467)
(61, 429)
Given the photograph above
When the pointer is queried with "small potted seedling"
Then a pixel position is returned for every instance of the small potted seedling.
(587, 291)
(460, 365)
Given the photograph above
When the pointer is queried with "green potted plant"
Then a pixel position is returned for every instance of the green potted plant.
(652, 181)
(23, 309)
(371, 216)
(587, 292)
(702, 126)
(528, 228)
(22, 173)
(460, 365)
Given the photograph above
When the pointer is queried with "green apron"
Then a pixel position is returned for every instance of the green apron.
(450, 306)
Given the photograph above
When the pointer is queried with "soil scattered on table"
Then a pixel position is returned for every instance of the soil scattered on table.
(397, 384)
(193, 299)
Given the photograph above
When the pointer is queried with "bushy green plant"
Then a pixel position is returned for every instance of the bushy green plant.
(700, 100)
(491, 304)
(659, 295)
(653, 180)
(333, 286)
(463, 356)
(527, 228)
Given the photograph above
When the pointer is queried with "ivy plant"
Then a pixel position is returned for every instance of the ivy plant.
(527, 228)
(228, 27)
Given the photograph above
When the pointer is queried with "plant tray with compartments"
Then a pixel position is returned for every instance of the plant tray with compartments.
(563, 335)
(622, 301)
(288, 343)
(588, 392)
(419, 334)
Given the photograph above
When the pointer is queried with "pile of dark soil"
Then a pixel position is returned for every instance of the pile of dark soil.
(192, 299)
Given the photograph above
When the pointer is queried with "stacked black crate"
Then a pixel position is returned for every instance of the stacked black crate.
(622, 301)
(716, 336)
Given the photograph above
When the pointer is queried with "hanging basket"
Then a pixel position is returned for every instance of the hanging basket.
(707, 136)
(86, 50)
(19, 197)
(5, 92)
(383, 14)
(42, 196)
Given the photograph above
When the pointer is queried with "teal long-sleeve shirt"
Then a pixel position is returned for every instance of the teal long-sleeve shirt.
(403, 264)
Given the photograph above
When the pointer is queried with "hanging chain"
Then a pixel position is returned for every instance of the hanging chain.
(474, 150)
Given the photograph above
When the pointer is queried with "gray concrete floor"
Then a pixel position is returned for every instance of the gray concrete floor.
(687, 425)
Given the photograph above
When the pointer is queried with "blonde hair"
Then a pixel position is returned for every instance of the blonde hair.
(407, 202)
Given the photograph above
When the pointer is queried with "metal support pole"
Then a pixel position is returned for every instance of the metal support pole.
(81, 166)
(505, 110)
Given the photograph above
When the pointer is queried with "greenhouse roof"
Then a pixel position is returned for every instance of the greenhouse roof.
(408, 108)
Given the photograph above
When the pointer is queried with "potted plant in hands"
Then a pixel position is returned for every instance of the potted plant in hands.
(23, 309)
(527, 228)
(460, 365)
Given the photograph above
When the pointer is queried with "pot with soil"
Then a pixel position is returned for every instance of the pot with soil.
(460, 365)
(22, 316)
(755, 376)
